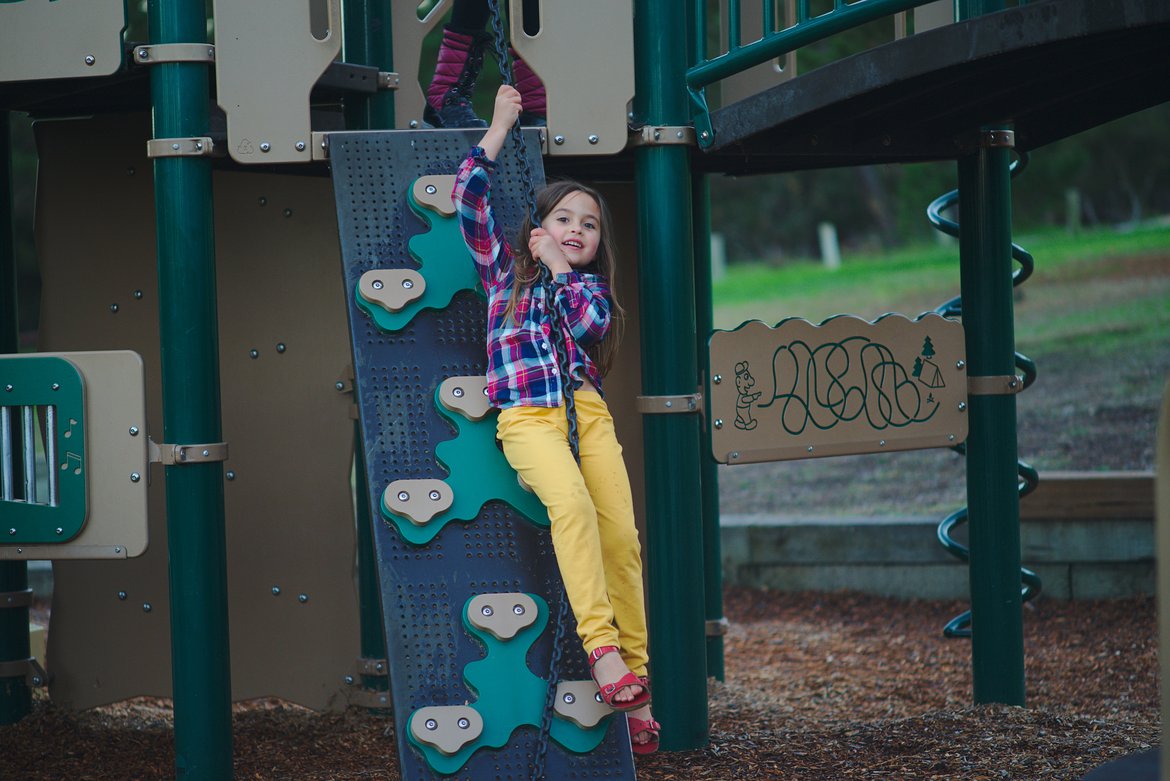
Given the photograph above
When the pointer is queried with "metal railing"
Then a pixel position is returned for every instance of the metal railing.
(774, 43)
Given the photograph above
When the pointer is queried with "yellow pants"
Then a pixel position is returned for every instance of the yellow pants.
(592, 515)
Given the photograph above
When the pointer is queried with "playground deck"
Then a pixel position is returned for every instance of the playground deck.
(819, 686)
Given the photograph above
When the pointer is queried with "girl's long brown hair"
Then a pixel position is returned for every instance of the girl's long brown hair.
(527, 268)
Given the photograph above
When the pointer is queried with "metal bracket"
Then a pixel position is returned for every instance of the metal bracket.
(21, 598)
(29, 669)
(663, 405)
(377, 667)
(158, 53)
(658, 135)
(995, 385)
(987, 139)
(718, 627)
(320, 145)
(388, 80)
(201, 146)
(178, 455)
(369, 698)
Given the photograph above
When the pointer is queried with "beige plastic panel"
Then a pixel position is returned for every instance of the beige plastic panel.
(761, 77)
(115, 400)
(587, 93)
(266, 63)
(1162, 508)
(409, 32)
(846, 386)
(42, 39)
(289, 515)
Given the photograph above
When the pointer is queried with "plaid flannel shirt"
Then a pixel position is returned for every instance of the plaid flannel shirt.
(522, 364)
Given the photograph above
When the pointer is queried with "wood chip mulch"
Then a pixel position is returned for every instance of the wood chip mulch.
(818, 686)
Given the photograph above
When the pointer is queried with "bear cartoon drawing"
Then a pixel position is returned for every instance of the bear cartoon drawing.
(744, 382)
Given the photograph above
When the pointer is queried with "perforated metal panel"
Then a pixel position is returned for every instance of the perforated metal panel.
(424, 588)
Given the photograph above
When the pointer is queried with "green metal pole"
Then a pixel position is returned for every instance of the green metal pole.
(15, 695)
(985, 244)
(669, 367)
(709, 479)
(191, 406)
(997, 645)
(369, 41)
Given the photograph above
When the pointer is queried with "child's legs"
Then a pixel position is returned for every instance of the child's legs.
(536, 446)
(609, 485)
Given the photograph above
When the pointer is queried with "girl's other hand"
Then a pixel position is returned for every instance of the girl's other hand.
(507, 108)
(544, 248)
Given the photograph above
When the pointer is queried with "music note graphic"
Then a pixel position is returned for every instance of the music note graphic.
(71, 457)
(69, 431)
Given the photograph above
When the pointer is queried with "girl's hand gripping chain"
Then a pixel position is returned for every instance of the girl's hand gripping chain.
(504, 116)
(544, 248)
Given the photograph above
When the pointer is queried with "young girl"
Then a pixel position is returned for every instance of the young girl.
(589, 506)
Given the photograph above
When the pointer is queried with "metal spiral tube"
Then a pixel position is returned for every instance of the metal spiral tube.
(960, 626)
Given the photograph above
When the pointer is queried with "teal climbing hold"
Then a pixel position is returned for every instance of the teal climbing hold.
(446, 265)
(509, 695)
(477, 474)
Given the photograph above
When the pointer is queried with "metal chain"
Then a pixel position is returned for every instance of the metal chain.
(545, 280)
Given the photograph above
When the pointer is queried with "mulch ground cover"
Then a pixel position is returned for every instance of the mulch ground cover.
(818, 686)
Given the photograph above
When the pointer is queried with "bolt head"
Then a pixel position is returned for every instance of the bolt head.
(377, 284)
(487, 611)
(122, 595)
(134, 431)
(138, 294)
(718, 422)
(276, 591)
(434, 496)
(463, 723)
(593, 139)
(114, 308)
(349, 680)
(414, 124)
(962, 406)
(431, 189)
(135, 477)
(432, 725)
(735, 455)
(90, 59)
(254, 353)
(300, 145)
(230, 475)
(55, 386)
(302, 598)
(457, 393)
(265, 147)
(569, 698)
(339, 385)
(403, 496)
(518, 609)
(960, 364)
(718, 378)
(147, 607)
(558, 140)
(280, 347)
(144, 54)
(407, 284)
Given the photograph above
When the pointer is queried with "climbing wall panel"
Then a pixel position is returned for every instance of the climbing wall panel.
(468, 697)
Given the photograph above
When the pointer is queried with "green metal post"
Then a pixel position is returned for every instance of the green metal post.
(369, 41)
(669, 367)
(985, 243)
(191, 405)
(709, 481)
(997, 644)
(15, 696)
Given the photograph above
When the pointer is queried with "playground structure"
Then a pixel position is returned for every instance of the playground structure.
(254, 349)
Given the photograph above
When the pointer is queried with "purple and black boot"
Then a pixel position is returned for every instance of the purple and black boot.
(533, 102)
(449, 95)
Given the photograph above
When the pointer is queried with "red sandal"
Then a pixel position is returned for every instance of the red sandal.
(637, 727)
(610, 689)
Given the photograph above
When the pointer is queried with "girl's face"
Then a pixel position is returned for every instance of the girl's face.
(575, 225)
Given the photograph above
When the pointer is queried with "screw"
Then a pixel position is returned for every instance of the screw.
(718, 422)
(146, 608)
(138, 294)
(122, 595)
(463, 723)
(300, 146)
(962, 406)
(569, 698)
(487, 611)
(117, 549)
(254, 353)
(230, 475)
(288, 212)
(36, 680)
(414, 124)
(593, 139)
(950, 437)
(12, 531)
(457, 393)
(55, 386)
(407, 284)
(735, 455)
(379, 667)
(657, 134)
(265, 146)
(302, 598)
(263, 201)
(135, 477)
(90, 59)
(339, 385)
(206, 453)
(431, 189)
(59, 530)
(718, 378)
(276, 591)
(518, 609)
(558, 140)
(403, 496)
(348, 680)
(434, 496)
(280, 347)
(669, 404)
(704, 135)
(144, 54)
(8, 388)
(810, 448)
(114, 308)
(881, 443)
(175, 147)
(431, 724)
(960, 364)
(198, 146)
(377, 284)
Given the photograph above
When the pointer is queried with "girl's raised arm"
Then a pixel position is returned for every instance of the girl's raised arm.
(503, 118)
